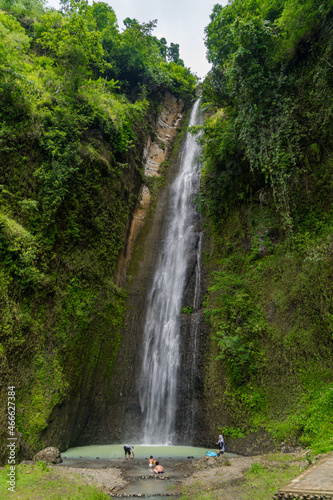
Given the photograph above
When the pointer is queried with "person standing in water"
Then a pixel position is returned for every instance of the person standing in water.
(151, 463)
(221, 445)
(128, 449)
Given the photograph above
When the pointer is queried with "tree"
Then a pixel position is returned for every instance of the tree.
(13, 44)
(173, 52)
(73, 40)
(23, 8)
(163, 47)
(104, 16)
(145, 29)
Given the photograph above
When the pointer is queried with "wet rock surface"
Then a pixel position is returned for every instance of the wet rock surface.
(124, 415)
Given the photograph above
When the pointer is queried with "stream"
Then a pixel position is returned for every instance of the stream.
(141, 483)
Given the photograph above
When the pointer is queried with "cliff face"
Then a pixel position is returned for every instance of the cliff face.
(156, 151)
(73, 133)
(267, 197)
(96, 410)
(123, 417)
(63, 322)
(118, 413)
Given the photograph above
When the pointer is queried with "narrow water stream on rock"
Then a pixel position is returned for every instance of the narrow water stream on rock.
(161, 367)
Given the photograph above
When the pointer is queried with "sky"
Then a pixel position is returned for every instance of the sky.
(179, 21)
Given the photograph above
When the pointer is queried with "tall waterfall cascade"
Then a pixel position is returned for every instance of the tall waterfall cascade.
(161, 364)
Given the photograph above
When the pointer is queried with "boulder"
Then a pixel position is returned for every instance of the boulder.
(50, 455)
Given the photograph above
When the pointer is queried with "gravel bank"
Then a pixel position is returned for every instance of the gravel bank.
(109, 479)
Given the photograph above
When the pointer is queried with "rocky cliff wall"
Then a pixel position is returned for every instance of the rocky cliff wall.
(123, 415)
(87, 413)
(157, 150)
(109, 402)
(120, 416)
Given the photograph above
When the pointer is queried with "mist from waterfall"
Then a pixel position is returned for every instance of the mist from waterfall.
(161, 351)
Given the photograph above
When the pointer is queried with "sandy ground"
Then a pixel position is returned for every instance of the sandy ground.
(224, 476)
(108, 479)
(210, 473)
(217, 475)
(213, 473)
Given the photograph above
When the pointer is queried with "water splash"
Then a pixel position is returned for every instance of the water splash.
(161, 356)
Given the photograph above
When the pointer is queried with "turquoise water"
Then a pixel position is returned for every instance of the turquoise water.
(116, 451)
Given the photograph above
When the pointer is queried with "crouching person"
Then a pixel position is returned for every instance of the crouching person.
(158, 468)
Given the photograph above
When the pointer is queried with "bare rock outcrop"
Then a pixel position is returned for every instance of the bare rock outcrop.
(156, 151)
(50, 455)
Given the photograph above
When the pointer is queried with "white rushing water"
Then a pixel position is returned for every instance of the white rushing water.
(161, 351)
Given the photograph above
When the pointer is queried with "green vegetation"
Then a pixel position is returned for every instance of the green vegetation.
(266, 194)
(78, 100)
(263, 478)
(186, 310)
(48, 483)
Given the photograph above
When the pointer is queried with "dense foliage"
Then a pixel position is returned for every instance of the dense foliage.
(267, 181)
(78, 99)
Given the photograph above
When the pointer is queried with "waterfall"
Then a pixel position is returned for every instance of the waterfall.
(161, 368)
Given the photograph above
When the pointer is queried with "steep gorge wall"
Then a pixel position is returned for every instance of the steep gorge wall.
(94, 413)
(63, 329)
(124, 414)
(120, 410)
(157, 150)
(269, 372)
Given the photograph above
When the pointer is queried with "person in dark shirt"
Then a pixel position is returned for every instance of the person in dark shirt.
(221, 445)
(128, 449)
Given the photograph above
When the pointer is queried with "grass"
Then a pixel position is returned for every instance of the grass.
(269, 474)
(263, 481)
(39, 482)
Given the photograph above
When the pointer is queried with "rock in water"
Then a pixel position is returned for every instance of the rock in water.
(51, 455)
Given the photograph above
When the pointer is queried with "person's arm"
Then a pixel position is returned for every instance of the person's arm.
(133, 452)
